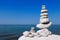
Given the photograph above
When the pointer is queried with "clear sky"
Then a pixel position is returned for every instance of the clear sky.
(27, 11)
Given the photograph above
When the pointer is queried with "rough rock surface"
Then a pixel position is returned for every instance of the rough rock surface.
(50, 37)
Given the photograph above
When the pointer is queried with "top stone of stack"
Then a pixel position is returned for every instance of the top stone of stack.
(44, 10)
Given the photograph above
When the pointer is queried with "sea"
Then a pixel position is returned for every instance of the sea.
(13, 32)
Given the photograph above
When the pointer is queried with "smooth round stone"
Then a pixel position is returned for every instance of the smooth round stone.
(44, 20)
(44, 25)
(44, 11)
(44, 14)
(43, 17)
(26, 33)
(50, 37)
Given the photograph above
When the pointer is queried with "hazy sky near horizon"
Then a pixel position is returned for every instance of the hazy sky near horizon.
(27, 11)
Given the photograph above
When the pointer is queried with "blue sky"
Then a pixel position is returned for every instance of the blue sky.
(27, 11)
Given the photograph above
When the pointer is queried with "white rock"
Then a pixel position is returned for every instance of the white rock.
(44, 20)
(44, 14)
(26, 33)
(44, 32)
(43, 25)
(43, 17)
(31, 35)
(35, 34)
(32, 30)
(50, 37)
(44, 9)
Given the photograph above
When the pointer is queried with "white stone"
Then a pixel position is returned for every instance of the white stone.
(44, 10)
(44, 14)
(35, 34)
(31, 35)
(43, 17)
(44, 32)
(43, 25)
(44, 20)
(43, 7)
(26, 33)
(50, 37)
(32, 30)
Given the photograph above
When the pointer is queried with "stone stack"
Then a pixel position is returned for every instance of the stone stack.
(43, 33)
(44, 22)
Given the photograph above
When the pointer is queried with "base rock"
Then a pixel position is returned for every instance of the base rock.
(50, 37)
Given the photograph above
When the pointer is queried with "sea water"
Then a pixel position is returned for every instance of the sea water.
(13, 32)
